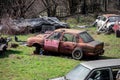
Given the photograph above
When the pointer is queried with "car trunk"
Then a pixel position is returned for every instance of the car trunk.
(98, 46)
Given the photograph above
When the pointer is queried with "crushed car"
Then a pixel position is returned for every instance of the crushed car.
(68, 41)
(94, 70)
(105, 22)
(48, 24)
(41, 24)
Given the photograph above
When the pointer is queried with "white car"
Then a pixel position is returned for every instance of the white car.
(106, 22)
(94, 70)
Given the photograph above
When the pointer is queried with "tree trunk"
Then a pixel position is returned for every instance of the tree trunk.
(105, 5)
(84, 7)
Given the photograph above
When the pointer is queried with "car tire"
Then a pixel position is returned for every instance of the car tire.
(37, 48)
(77, 54)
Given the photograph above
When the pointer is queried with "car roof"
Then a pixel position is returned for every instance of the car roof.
(74, 31)
(101, 63)
(108, 15)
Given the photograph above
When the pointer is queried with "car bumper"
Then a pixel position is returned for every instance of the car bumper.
(100, 52)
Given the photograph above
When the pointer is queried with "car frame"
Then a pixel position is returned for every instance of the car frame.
(94, 70)
(68, 41)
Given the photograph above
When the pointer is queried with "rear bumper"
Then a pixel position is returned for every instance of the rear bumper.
(100, 52)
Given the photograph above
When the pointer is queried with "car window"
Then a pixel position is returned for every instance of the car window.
(80, 72)
(100, 75)
(103, 18)
(86, 37)
(69, 37)
(55, 36)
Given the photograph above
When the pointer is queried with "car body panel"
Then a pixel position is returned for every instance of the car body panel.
(51, 45)
(67, 40)
(116, 26)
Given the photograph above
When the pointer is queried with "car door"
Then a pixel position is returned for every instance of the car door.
(98, 21)
(68, 43)
(52, 42)
(101, 21)
(100, 74)
(115, 71)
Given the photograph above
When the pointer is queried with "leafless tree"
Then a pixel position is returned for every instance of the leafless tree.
(17, 8)
(50, 6)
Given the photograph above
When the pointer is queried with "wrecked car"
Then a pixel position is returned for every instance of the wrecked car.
(41, 24)
(94, 70)
(3, 44)
(105, 22)
(68, 41)
(47, 24)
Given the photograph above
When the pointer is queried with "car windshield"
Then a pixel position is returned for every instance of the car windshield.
(78, 73)
(114, 18)
(86, 37)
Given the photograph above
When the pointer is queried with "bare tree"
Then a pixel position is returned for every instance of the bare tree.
(50, 6)
(17, 8)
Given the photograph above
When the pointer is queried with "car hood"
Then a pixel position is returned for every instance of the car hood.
(60, 78)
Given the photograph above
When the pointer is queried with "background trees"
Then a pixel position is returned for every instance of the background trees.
(33, 8)
(16, 8)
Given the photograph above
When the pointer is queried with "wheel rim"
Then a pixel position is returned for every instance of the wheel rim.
(77, 54)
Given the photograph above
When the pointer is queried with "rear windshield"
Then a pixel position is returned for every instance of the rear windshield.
(86, 37)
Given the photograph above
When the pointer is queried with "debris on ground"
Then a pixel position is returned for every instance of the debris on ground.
(4, 44)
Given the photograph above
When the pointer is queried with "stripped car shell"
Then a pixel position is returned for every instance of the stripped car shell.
(68, 41)
(105, 22)
(94, 70)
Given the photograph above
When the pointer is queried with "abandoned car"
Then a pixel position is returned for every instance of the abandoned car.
(94, 70)
(105, 22)
(41, 24)
(48, 24)
(3, 44)
(69, 41)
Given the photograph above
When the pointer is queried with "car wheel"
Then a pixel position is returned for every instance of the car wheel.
(77, 54)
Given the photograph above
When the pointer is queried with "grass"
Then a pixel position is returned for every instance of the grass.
(20, 64)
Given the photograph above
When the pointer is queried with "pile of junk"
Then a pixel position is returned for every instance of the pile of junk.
(4, 44)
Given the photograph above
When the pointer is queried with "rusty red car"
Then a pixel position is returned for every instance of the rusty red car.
(68, 41)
